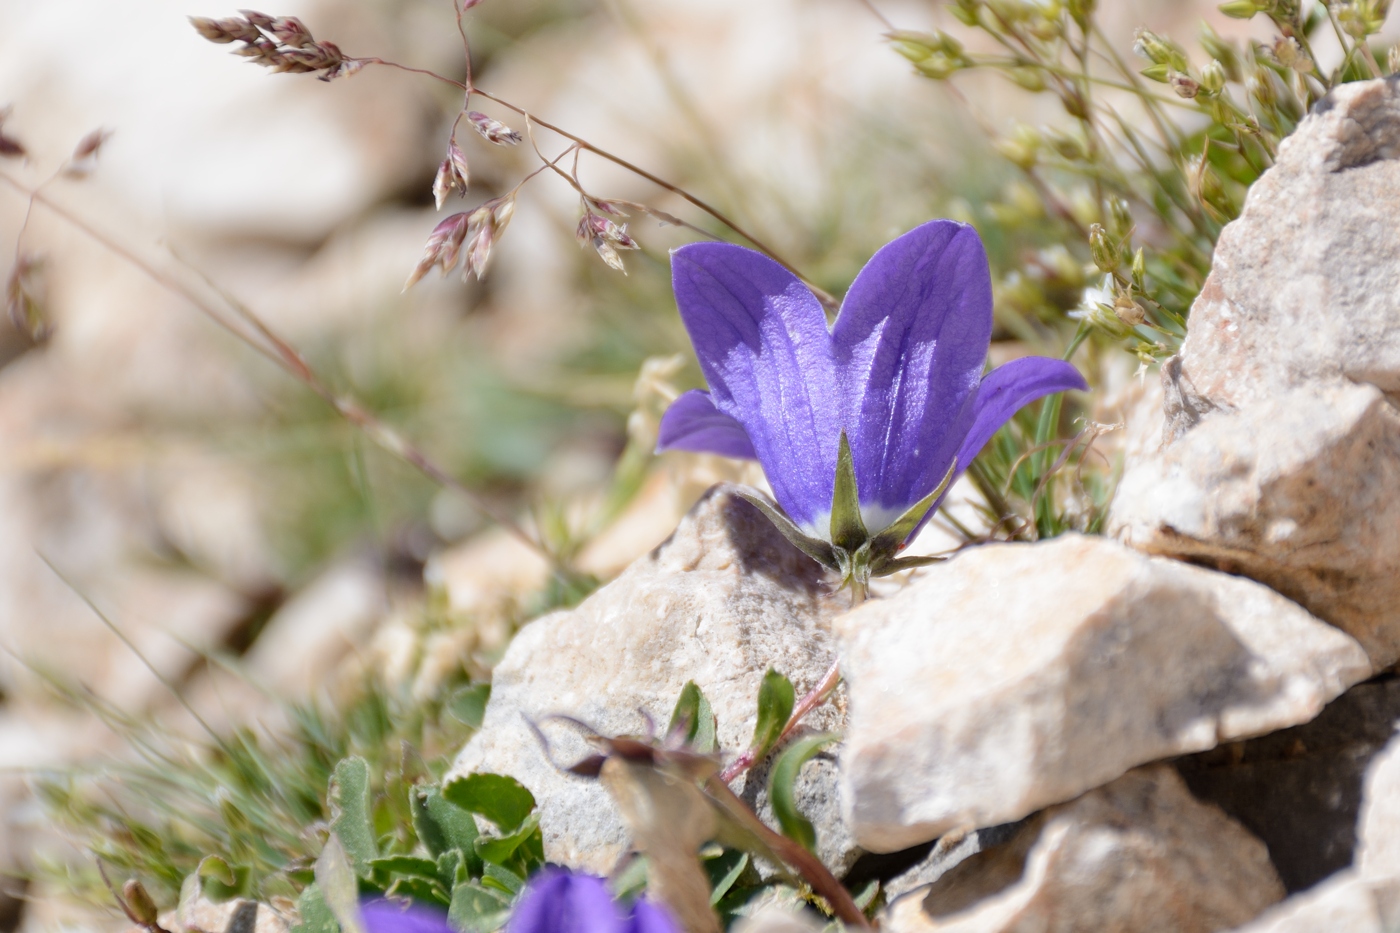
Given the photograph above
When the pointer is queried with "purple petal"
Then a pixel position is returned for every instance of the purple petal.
(558, 901)
(650, 918)
(910, 344)
(384, 916)
(692, 422)
(1007, 389)
(762, 343)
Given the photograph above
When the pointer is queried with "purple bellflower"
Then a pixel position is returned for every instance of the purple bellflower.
(555, 901)
(559, 901)
(861, 427)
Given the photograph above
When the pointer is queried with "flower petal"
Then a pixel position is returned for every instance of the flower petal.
(559, 901)
(1007, 389)
(650, 918)
(385, 916)
(692, 422)
(762, 343)
(910, 344)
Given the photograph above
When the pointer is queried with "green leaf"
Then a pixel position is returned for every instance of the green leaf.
(502, 800)
(341, 890)
(443, 827)
(736, 861)
(451, 869)
(847, 527)
(629, 884)
(775, 701)
(315, 916)
(468, 705)
(476, 909)
(889, 540)
(383, 870)
(508, 880)
(353, 823)
(815, 548)
(694, 710)
(782, 780)
(420, 890)
(499, 850)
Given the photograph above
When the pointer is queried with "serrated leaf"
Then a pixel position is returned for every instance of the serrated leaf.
(815, 548)
(502, 800)
(315, 916)
(468, 705)
(847, 527)
(694, 710)
(476, 909)
(353, 823)
(782, 781)
(775, 701)
(499, 850)
(442, 826)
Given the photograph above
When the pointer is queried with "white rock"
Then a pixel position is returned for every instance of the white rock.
(720, 602)
(1279, 457)
(1140, 855)
(1016, 676)
(1378, 855)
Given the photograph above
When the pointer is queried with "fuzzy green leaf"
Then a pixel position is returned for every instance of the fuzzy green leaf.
(339, 886)
(694, 710)
(476, 909)
(847, 527)
(451, 869)
(781, 783)
(442, 826)
(815, 548)
(775, 701)
(382, 871)
(315, 916)
(498, 851)
(353, 823)
(502, 800)
(504, 878)
(736, 862)
(468, 705)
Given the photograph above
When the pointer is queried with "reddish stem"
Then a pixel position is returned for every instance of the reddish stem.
(810, 701)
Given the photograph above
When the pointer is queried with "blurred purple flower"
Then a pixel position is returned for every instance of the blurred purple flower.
(559, 901)
(386, 916)
(900, 373)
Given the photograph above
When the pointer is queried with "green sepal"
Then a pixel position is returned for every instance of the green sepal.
(896, 564)
(888, 542)
(847, 528)
(815, 548)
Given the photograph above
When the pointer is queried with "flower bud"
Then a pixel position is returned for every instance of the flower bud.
(937, 66)
(966, 11)
(1068, 144)
(139, 905)
(1081, 10)
(1139, 268)
(1021, 148)
(1261, 87)
(917, 46)
(1160, 73)
(1027, 77)
(1241, 9)
(1212, 78)
(1101, 249)
(1222, 51)
(1184, 85)
(1157, 50)
(493, 130)
(1129, 311)
(1120, 216)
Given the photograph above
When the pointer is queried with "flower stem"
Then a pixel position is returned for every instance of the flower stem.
(810, 701)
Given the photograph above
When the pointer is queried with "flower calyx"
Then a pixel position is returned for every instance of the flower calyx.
(853, 551)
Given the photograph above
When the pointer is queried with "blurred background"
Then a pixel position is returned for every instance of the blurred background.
(185, 527)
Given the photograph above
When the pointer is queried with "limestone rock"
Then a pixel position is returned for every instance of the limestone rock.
(1305, 285)
(1365, 898)
(1301, 492)
(1137, 855)
(720, 602)
(1016, 676)
(1300, 789)
(1279, 457)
